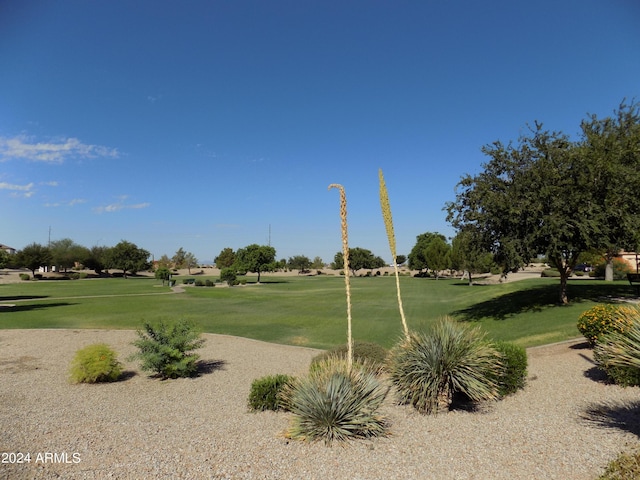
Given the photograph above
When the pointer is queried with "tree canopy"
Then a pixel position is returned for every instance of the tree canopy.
(255, 258)
(422, 257)
(359, 258)
(299, 262)
(225, 259)
(127, 257)
(550, 195)
(34, 256)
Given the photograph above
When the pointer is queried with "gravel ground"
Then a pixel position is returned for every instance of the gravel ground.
(566, 424)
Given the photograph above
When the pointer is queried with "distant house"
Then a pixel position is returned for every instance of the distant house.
(8, 249)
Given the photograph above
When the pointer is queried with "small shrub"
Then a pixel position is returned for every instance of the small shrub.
(429, 368)
(165, 349)
(95, 363)
(228, 275)
(265, 392)
(373, 354)
(199, 282)
(82, 275)
(603, 319)
(335, 403)
(550, 272)
(242, 281)
(513, 375)
(618, 353)
(74, 276)
(25, 276)
(625, 467)
(620, 269)
(209, 283)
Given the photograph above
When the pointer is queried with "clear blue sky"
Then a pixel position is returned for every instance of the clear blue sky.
(202, 124)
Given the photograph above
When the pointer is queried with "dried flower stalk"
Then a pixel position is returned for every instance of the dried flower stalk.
(388, 223)
(345, 256)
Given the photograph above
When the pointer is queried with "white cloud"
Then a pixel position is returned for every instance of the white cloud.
(24, 191)
(114, 207)
(23, 147)
(70, 203)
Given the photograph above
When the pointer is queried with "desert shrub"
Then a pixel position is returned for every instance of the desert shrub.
(618, 353)
(625, 467)
(606, 318)
(209, 283)
(82, 275)
(166, 349)
(620, 269)
(242, 281)
(373, 354)
(265, 392)
(95, 363)
(228, 275)
(199, 282)
(335, 403)
(25, 276)
(513, 375)
(429, 368)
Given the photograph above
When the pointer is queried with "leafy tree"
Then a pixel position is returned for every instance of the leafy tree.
(225, 259)
(4, 258)
(97, 258)
(255, 258)
(359, 258)
(163, 273)
(438, 255)
(127, 257)
(165, 261)
(317, 263)
(400, 259)
(190, 261)
(179, 258)
(299, 262)
(417, 256)
(34, 256)
(549, 195)
(467, 256)
(66, 253)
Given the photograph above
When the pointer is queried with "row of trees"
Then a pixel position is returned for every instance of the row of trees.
(550, 195)
(66, 254)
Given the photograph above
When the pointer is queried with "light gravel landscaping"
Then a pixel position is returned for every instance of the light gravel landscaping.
(566, 424)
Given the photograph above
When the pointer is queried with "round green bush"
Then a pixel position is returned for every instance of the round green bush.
(366, 352)
(25, 276)
(228, 275)
(513, 375)
(95, 363)
(550, 272)
(606, 318)
(265, 392)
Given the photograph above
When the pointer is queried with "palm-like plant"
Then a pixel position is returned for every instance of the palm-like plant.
(428, 368)
(621, 349)
(335, 402)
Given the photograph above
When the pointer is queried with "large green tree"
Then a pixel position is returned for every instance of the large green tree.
(418, 256)
(299, 262)
(255, 258)
(66, 253)
(549, 195)
(225, 259)
(438, 255)
(127, 257)
(34, 256)
(359, 258)
(467, 256)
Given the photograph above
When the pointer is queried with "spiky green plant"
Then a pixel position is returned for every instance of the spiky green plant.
(345, 256)
(336, 402)
(167, 348)
(391, 236)
(428, 368)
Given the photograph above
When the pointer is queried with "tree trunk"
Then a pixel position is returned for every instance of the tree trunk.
(608, 271)
(564, 275)
(258, 276)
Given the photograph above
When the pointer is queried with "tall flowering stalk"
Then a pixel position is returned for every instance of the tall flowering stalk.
(345, 256)
(388, 223)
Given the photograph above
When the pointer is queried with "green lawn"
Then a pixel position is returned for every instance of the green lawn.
(309, 311)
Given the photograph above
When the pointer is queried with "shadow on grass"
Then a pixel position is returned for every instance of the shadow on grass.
(540, 297)
(28, 308)
(618, 415)
(18, 298)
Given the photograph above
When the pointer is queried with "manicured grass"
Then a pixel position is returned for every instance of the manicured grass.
(309, 311)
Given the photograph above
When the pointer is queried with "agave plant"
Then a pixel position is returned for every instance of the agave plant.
(335, 402)
(621, 348)
(428, 368)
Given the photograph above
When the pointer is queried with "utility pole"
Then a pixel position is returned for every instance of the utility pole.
(49, 244)
(269, 235)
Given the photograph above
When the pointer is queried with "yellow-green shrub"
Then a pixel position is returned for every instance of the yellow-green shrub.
(602, 319)
(95, 363)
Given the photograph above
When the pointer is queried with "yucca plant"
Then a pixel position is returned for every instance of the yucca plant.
(335, 402)
(428, 368)
(618, 353)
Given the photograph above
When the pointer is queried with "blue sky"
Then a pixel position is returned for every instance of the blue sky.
(207, 124)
